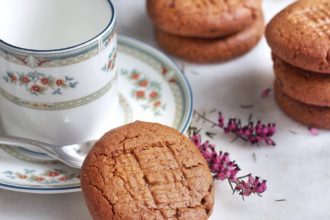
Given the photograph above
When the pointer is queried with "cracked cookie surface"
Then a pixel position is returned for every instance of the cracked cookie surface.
(146, 171)
(300, 35)
(203, 18)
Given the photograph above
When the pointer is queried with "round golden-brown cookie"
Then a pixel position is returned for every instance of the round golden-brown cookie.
(212, 50)
(300, 35)
(146, 171)
(305, 86)
(310, 115)
(203, 18)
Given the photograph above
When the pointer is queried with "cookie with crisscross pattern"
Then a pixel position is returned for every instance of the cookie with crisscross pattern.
(147, 171)
(300, 35)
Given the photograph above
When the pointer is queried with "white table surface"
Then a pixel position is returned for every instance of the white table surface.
(297, 169)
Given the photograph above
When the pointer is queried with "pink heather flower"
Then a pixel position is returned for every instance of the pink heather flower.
(221, 120)
(197, 140)
(253, 133)
(208, 151)
(265, 93)
(252, 185)
(313, 131)
(223, 168)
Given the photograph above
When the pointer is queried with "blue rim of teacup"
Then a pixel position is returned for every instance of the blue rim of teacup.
(110, 25)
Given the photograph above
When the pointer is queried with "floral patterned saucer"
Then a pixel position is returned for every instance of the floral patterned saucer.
(152, 88)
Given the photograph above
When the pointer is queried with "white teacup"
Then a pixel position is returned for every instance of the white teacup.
(57, 69)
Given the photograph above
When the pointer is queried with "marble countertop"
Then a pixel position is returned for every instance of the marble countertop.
(296, 169)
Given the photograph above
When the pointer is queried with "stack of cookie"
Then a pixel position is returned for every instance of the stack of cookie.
(299, 37)
(207, 30)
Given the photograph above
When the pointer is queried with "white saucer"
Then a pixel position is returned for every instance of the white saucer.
(152, 88)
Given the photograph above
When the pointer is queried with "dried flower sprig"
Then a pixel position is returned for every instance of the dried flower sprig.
(223, 168)
(254, 133)
(313, 131)
(265, 93)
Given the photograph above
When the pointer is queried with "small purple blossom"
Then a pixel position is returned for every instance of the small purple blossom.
(223, 168)
(265, 93)
(221, 120)
(313, 131)
(253, 185)
(253, 133)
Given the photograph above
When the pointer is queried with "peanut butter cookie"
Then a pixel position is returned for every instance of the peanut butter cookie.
(305, 86)
(310, 115)
(203, 18)
(146, 171)
(212, 50)
(300, 35)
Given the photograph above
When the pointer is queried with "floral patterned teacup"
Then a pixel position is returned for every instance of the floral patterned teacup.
(57, 69)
